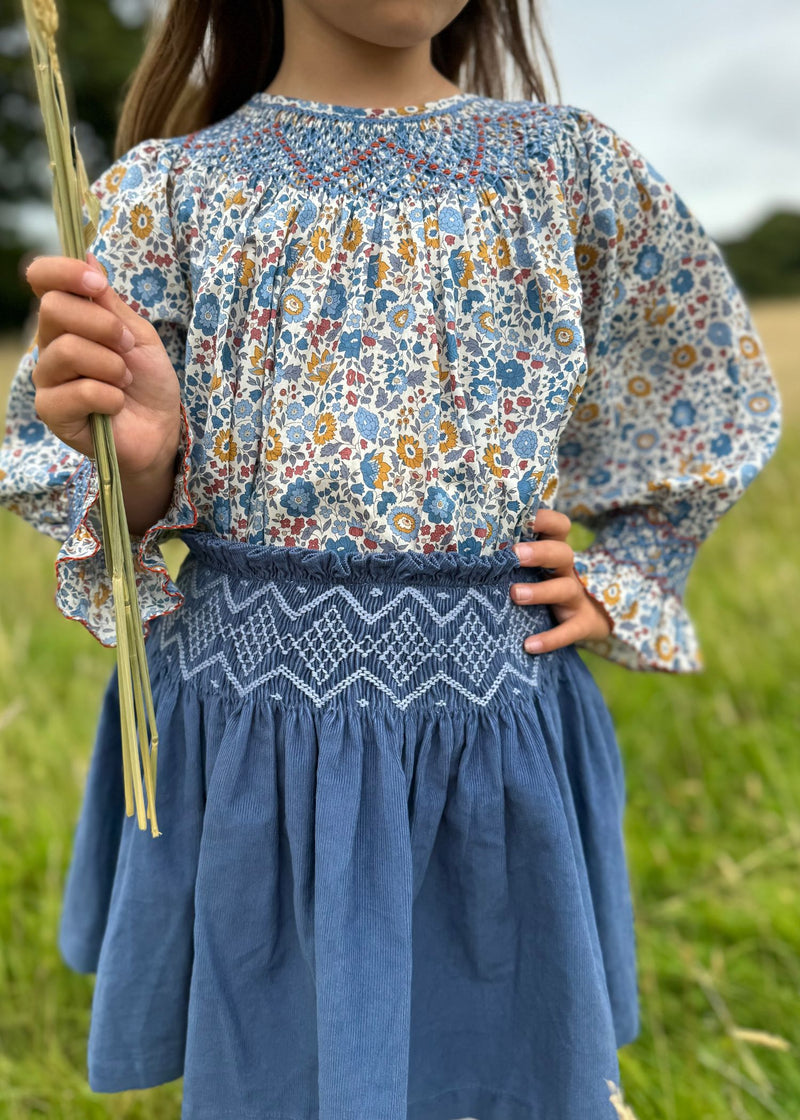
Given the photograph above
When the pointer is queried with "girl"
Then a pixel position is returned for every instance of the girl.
(357, 325)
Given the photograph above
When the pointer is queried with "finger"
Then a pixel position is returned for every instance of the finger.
(140, 328)
(65, 406)
(70, 357)
(554, 554)
(559, 590)
(551, 523)
(64, 313)
(66, 274)
(557, 636)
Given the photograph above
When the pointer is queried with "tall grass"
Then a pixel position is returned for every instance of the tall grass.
(713, 821)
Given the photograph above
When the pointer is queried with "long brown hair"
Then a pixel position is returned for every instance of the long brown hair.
(237, 46)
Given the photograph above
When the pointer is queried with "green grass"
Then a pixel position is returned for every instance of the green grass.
(713, 825)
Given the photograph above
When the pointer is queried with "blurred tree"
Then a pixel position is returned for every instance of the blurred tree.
(767, 261)
(99, 44)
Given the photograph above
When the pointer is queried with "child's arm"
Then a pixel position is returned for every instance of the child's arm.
(52, 483)
(679, 410)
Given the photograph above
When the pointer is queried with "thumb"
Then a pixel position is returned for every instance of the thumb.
(140, 327)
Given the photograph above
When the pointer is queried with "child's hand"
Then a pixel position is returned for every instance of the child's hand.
(579, 616)
(98, 355)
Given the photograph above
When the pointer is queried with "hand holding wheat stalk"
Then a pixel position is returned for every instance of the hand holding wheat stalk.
(70, 192)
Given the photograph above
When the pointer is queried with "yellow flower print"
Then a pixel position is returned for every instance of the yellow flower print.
(431, 228)
(639, 386)
(381, 271)
(321, 244)
(293, 304)
(580, 511)
(399, 318)
(487, 196)
(448, 435)
(382, 474)
(141, 221)
(645, 441)
(587, 412)
(684, 356)
(611, 594)
(353, 235)
(410, 451)
(216, 381)
(484, 253)
(645, 201)
(101, 596)
(585, 256)
(113, 179)
(550, 488)
(225, 446)
(246, 268)
(564, 336)
(632, 611)
(442, 373)
(664, 647)
(620, 230)
(404, 523)
(257, 361)
(237, 199)
(759, 403)
(491, 458)
(749, 346)
(486, 320)
(321, 366)
(658, 313)
(558, 277)
(291, 214)
(468, 268)
(502, 252)
(273, 445)
(408, 250)
(325, 428)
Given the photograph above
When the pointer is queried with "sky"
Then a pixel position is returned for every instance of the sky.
(707, 90)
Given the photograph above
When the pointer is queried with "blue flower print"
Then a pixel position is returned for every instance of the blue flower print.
(525, 444)
(720, 334)
(341, 545)
(682, 414)
(366, 422)
(206, 313)
(648, 263)
(32, 432)
(401, 317)
(294, 410)
(300, 498)
(438, 505)
(450, 221)
(349, 344)
(185, 210)
(721, 445)
(682, 282)
(131, 178)
(606, 222)
(511, 374)
(335, 301)
(148, 286)
(397, 381)
(307, 215)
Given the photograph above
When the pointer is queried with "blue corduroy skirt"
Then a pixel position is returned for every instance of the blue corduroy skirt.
(391, 881)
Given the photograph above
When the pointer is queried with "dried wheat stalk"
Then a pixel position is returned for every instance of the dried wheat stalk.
(71, 192)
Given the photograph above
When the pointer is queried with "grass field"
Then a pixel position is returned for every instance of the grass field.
(713, 820)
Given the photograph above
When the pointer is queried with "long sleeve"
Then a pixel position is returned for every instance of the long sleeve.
(54, 487)
(678, 412)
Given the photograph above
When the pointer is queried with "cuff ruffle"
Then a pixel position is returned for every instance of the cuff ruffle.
(83, 585)
(652, 629)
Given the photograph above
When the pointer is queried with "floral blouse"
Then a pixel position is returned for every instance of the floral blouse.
(408, 328)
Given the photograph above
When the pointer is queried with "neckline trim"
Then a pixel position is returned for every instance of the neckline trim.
(262, 100)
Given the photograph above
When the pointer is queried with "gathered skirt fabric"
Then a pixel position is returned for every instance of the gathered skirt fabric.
(391, 881)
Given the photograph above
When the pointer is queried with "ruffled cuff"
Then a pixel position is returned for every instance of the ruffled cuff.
(651, 626)
(83, 585)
